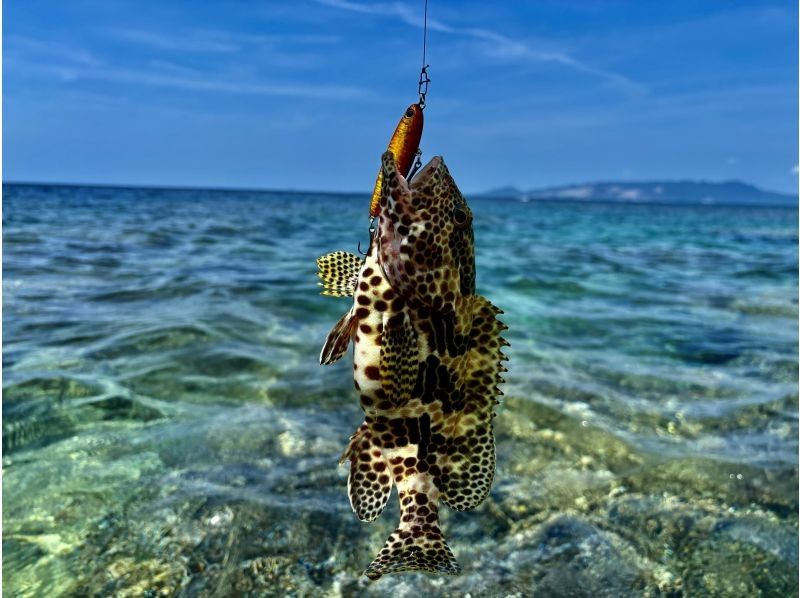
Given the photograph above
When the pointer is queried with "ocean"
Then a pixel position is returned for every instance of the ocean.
(168, 430)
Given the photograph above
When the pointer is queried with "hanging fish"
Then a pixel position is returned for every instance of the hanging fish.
(427, 362)
(404, 145)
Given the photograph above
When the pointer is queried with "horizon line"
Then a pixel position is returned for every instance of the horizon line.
(179, 187)
(482, 196)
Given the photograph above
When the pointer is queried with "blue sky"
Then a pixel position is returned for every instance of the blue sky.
(305, 94)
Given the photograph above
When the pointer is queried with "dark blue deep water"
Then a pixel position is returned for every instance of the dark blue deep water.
(167, 428)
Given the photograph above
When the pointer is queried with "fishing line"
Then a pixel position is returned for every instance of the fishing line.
(403, 129)
(424, 80)
(422, 86)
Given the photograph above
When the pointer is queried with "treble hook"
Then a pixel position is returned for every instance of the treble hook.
(371, 234)
(417, 165)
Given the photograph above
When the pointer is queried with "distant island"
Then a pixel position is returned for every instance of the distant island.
(689, 192)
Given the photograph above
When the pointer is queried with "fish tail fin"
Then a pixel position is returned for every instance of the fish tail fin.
(418, 545)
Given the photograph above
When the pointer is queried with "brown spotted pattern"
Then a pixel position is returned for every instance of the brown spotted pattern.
(427, 362)
(470, 466)
(399, 354)
(426, 241)
(369, 482)
(417, 544)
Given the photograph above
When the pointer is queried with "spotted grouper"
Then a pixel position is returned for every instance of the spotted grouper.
(427, 362)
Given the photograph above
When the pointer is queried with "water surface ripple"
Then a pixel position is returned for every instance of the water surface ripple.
(168, 430)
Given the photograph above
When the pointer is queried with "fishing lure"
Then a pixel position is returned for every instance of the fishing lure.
(403, 145)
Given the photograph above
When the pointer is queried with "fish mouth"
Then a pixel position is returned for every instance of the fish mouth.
(399, 213)
(422, 177)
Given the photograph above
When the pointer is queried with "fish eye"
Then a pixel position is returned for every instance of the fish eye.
(460, 216)
(409, 112)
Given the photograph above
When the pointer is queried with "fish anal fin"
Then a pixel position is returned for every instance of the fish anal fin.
(338, 339)
(369, 482)
(338, 273)
(399, 358)
(469, 463)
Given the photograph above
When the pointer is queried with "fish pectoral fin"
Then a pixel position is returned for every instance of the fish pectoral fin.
(406, 550)
(338, 339)
(470, 465)
(399, 358)
(369, 482)
(338, 272)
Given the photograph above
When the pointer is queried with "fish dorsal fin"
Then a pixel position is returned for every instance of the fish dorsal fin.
(338, 272)
(369, 482)
(399, 358)
(470, 469)
(338, 339)
(482, 367)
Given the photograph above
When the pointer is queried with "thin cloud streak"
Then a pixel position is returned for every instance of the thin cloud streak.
(48, 49)
(76, 64)
(204, 41)
(502, 45)
(396, 9)
(178, 43)
(171, 79)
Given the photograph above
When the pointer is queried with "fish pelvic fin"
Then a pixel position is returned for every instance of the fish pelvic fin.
(338, 339)
(369, 482)
(338, 273)
(418, 544)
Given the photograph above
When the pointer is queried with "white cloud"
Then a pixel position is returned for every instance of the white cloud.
(172, 76)
(209, 41)
(178, 43)
(394, 9)
(17, 44)
(500, 46)
(333, 92)
(795, 169)
(68, 63)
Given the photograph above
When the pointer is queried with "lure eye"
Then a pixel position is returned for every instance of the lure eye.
(460, 217)
(409, 113)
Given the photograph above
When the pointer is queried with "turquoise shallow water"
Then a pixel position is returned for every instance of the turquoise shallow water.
(168, 430)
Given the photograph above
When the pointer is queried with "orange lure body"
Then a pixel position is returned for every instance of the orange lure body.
(404, 145)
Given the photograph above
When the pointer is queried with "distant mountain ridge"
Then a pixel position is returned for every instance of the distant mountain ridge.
(691, 192)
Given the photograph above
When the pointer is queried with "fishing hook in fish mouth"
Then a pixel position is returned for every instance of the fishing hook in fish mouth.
(417, 165)
(371, 234)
